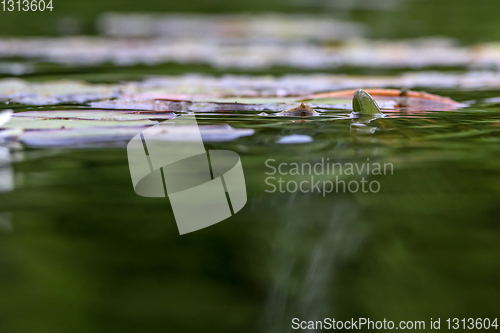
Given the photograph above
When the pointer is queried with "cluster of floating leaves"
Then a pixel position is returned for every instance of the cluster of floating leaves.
(243, 41)
(54, 92)
(199, 93)
(229, 26)
(110, 113)
(91, 126)
(250, 54)
(77, 128)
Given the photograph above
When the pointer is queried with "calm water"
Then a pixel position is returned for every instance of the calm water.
(81, 252)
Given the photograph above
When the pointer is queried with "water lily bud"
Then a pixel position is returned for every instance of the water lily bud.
(364, 104)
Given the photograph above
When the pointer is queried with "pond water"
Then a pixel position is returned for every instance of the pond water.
(81, 252)
(417, 239)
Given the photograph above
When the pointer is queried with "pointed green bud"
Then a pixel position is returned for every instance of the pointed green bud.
(364, 104)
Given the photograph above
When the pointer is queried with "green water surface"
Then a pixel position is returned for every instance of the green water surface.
(84, 253)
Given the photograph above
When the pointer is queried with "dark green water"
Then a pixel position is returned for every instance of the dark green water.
(83, 253)
(80, 252)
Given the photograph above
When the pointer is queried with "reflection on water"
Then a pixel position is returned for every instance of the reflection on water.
(6, 171)
(89, 255)
(308, 250)
(6, 222)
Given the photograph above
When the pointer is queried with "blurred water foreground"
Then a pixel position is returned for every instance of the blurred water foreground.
(81, 252)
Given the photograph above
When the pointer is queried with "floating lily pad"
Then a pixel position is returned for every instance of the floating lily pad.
(79, 137)
(62, 91)
(132, 104)
(249, 100)
(102, 115)
(250, 53)
(42, 123)
(113, 136)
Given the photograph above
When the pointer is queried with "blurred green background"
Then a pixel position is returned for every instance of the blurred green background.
(468, 21)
